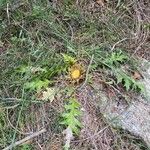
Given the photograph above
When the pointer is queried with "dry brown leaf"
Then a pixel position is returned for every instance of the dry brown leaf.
(100, 2)
(46, 95)
(36, 69)
(49, 94)
(137, 75)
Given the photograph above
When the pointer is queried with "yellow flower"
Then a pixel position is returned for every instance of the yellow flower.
(75, 74)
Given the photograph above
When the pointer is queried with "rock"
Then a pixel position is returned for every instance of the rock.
(146, 80)
(135, 117)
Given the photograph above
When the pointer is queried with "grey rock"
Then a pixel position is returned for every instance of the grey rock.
(134, 117)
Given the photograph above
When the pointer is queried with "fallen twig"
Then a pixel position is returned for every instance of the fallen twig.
(8, 16)
(118, 43)
(87, 72)
(25, 139)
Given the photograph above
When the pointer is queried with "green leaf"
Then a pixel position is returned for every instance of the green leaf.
(115, 58)
(37, 84)
(71, 115)
(119, 78)
(128, 81)
(26, 147)
(23, 69)
(69, 59)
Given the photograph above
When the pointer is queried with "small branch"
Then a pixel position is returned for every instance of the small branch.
(87, 72)
(11, 107)
(8, 16)
(25, 139)
(14, 7)
(71, 29)
(118, 43)
(95, 134)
